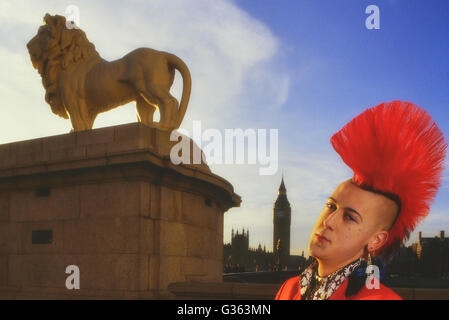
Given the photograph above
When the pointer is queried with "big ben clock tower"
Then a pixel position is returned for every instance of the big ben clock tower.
(281, 228)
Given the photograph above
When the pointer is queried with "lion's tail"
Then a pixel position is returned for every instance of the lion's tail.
(178, 64)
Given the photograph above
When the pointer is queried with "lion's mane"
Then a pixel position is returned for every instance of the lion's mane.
(60, 47)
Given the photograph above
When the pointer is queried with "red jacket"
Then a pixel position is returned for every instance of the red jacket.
(290, 291)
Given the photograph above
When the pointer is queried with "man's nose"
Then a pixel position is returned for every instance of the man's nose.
(330, 221)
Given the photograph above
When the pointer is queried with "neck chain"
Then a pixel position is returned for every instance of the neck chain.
(314, 287)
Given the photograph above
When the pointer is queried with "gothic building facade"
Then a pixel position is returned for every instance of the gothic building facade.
(239, 257)
(281, 228)
(429, 257)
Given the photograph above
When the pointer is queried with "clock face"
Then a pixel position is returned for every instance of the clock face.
(280, 214)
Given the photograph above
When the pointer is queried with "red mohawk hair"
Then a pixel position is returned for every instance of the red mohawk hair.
(396, 149)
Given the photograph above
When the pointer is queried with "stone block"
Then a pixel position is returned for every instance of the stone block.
(220, 218)
(32, 158)
(155, 201)
(23, 148)
(38, 270)
(10, 239)
(101, 135)
(197, 244)
(96, 150)
(193, 266)
(146, 235)
(143, 278)
(218, 253)
(197, 269)
(110, 199)
(405, 293)
(61, 203)
(202, 290)
(6, 157)
(429, 294)
(3, 270)
(114, 272)
(58, 142)
(211, 215)
(192, 209)
(102, 272)
(4, 206)
(170, 271)
(5, 149)
(145, 199)
(171, 204)
(200, 242)
(116, 235)
(172, 238)
(256, 290)
(213, 269)
(162, 141)
(132, 136)
(66, 154)
(153, 272)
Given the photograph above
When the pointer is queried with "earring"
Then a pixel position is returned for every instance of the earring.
(369, 265)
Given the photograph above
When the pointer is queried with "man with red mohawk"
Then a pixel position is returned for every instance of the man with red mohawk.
(396, 152)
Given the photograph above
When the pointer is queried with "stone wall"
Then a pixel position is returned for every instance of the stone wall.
(259, 291)
(117, 208)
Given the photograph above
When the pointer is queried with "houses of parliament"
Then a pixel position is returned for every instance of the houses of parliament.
(239, 257)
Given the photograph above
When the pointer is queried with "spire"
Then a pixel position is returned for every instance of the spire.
(282, 201)
(282, 189)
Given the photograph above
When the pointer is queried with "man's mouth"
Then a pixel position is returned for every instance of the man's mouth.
(321, 238)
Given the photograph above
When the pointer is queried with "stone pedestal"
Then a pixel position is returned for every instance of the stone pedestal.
(111, 202)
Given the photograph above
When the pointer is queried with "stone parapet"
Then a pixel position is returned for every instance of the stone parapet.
(111, 202)
(259, 291)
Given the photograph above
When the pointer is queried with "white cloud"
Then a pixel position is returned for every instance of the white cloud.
(221, 44)
(233, 58)
(445, 178)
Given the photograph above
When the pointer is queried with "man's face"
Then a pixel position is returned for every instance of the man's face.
(351, 218)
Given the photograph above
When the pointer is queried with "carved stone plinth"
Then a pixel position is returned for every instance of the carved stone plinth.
(111, 202)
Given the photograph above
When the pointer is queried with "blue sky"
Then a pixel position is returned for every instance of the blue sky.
(303, 67)
(338, 68)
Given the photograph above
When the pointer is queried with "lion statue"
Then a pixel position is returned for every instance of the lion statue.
(80, 84)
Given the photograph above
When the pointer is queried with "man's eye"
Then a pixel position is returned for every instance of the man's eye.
(331, 206)
(349, 217)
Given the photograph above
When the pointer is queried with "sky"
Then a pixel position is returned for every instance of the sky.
(303, 67)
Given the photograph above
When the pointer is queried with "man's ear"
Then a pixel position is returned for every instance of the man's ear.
(378, 241)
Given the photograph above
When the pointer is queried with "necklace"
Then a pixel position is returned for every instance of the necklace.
(314, 287)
